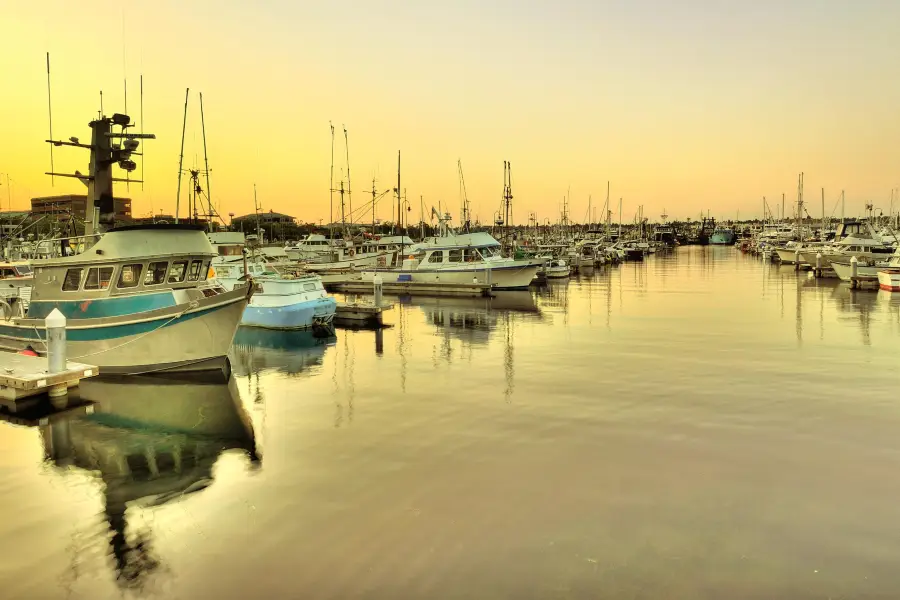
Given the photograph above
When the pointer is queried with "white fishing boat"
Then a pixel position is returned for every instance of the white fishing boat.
(557, 268)
(866, 267)
(137, 299)
(460, 259)
(279, 301)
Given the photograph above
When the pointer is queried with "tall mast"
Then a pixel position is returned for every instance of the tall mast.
(349, 193)
(399, 199)
(608, 212)
(50, 115)
(206, 166)
(373, 207)
(256, 210)
(331, 188)
(620, 218)
(181, 156)
(822, 236)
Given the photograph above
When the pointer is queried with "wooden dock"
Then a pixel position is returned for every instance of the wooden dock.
(23, 376)
(360, 314)
(410, 288)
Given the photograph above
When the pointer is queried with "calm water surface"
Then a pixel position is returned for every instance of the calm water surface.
(698, 426)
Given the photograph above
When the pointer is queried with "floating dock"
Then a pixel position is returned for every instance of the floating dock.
(23, 376)
(410, 288)
(360, 314)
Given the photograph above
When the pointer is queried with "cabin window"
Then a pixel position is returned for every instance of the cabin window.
(178, 271)
(309, 287)
(194, 272)
(455, 255)
(4, 273)
(156, 273)
(471, 255)
(23, 270)
(98, 278)
(130, 276)
(73, 280)
(436, 257)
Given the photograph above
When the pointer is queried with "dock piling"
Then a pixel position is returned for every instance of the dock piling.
(796, 260)
(56, 350)
(854, 271)
(818, 272)
(378, 284)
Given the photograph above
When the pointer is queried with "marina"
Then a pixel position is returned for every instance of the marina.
(263, 336)
(459, 399)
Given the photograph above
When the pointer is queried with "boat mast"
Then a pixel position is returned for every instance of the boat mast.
(620, 220)
(331, 189)
(181, 156)
(50, 115)
(349, 196)
(209, 217)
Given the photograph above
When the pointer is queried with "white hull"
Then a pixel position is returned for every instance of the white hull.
(843, 270)
(195, 340)
(510, 275)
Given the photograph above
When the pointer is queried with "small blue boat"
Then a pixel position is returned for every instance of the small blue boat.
(280, 302)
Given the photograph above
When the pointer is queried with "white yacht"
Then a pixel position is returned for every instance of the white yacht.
(460, 258)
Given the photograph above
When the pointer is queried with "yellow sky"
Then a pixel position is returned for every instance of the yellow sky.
(684, 108)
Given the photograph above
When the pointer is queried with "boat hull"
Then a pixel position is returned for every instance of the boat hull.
(300, 315)
(507, 277)
(842, 270)
(179, 339)
(889, 280)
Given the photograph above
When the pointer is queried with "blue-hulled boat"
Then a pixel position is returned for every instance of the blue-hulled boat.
(279, 301)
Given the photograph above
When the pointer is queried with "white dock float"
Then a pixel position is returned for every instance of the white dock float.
(22, 376)
(360, 314)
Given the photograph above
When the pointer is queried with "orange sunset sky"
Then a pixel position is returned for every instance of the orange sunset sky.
(684, 106)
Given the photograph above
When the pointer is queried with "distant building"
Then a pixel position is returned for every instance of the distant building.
(266, 218)
(75, 205)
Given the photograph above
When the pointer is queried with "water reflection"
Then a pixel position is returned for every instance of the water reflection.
(147, 441)
(293, 353)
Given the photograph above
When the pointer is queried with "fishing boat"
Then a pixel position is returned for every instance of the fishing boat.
(459, 259)
(136, 298)
(722, 236)
(280, 301)
(557, 268)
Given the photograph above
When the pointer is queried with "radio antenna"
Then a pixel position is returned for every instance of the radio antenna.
(50, 114)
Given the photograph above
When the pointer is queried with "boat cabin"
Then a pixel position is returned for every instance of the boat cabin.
(131, 269)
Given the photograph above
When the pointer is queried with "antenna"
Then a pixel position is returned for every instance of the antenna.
(101, 104)
(206, 164)
(181, 156)
(142, 130)
(50, 114)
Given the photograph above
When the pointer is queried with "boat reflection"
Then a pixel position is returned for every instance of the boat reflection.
(290, 352)
(147, 441)
(473, 320)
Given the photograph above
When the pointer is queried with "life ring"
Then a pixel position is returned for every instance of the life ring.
(352, 252)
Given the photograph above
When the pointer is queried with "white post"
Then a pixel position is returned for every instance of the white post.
(818, 264)
(854, 269)
(56, 341)
(55, 324)
(378, 283)
(797, 260)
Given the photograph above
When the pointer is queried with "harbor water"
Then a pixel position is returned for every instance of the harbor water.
(699, 425)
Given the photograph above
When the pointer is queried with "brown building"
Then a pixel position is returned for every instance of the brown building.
(75, 205)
